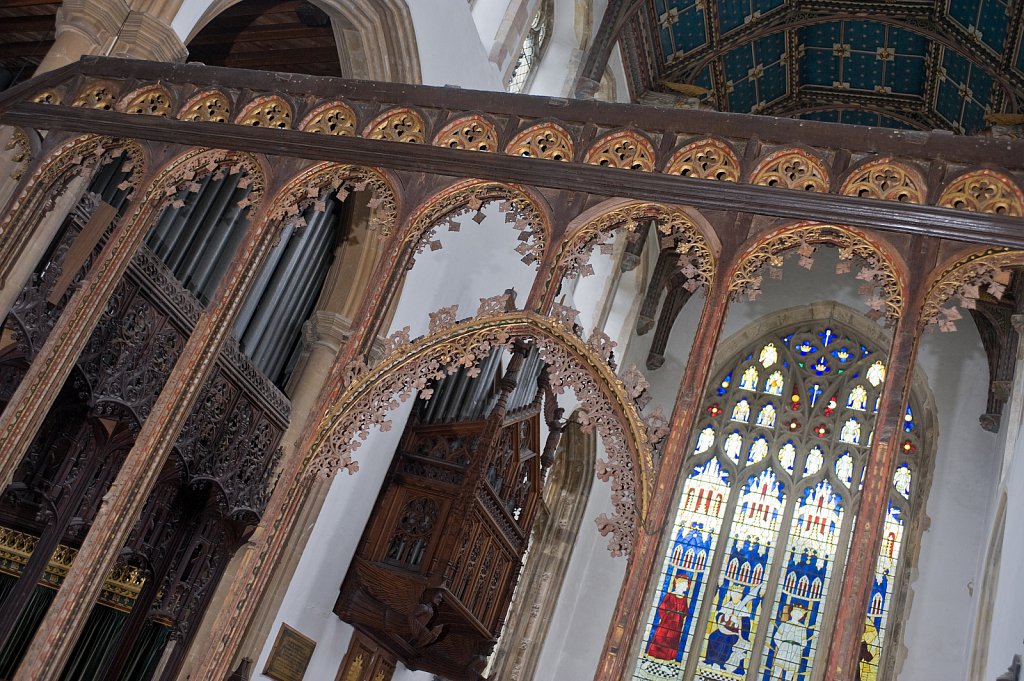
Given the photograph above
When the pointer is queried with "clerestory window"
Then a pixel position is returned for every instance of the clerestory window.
(749, 584)
(533, 46)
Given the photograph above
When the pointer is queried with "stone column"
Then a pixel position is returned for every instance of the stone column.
(845, 647)
(632, 604)
(54, 640)
(83, 27)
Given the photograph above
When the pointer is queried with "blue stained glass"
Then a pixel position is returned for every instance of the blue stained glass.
(821, 367)
(724, 387)
(908, 420)
(826, 336)
(786, 339)
(806, 348)
(843, 354)
(864, 352)
(814, 393)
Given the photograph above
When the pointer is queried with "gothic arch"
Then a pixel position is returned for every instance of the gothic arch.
(534, 216)
(883, 264)
(984, 191)
(791, 168)
(886, 179)
(409, 365)
(379, 36)
(692, 235)
(961, 276)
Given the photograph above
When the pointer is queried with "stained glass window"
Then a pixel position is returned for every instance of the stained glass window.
(761, 535)
(533, 46)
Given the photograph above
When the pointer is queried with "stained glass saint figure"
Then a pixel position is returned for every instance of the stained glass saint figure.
(748, 381)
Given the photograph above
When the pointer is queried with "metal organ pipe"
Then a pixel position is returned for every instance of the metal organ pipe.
(207, 233)
(183, 233)
(226, 237)
(259, 287)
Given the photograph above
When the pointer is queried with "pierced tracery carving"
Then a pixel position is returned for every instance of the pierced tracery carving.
(623, 149)
(792, 169)
(397, 125)
(309, 189)
(211, 106)
(707, 159)
(964, 281)
(882, 288)
(98, 95)
(544, 140)
(370, 394)
(335, 118)
(887, 180)
(696, 261)
(470, 196)
(472, 133)
(47, 97)
(267, 112)
(154, 100)
(984, 191)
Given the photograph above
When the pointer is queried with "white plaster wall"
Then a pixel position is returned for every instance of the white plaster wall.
(962, 495)
(476, 262)
(451, 52)
(580, 622)
(308, 604)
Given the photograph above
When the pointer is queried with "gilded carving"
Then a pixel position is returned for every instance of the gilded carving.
(210, 106)
(882, 285)
(984, 191)
(472, 133)
(335, 118)
(267, 112)
(397, 125)
(707, 159)
(470, 196)
(369, 395)
(622, 149)
(792, 169)
(22, 155)
(886, 180)
(307, 189)
(98, 95)
(964, 281)
(696, 259)
(544, 140)
(154, 100)
(47, 97)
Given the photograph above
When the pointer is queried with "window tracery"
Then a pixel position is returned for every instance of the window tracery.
(533, 47)
(749, 583)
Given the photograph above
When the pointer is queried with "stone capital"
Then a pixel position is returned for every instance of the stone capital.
(97, 20)
(144, 36)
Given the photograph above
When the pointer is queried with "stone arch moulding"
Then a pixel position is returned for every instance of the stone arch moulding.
(880, 263)
(525, 209)
(960, 280)
(378, 36)
(409, 365)
(306, 188)
(679, 228)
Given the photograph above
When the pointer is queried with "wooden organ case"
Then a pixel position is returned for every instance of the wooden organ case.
(440, 557)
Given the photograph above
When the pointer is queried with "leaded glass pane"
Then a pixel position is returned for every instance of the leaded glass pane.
(743, 594)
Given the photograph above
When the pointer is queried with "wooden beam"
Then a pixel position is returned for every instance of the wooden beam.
(893, 216)
(36, 23)
(38, 48)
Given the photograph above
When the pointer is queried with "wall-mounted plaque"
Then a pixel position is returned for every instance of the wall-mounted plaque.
(290, 655)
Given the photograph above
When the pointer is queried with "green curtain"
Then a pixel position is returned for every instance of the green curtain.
(99, 637)
(146, 653)
(17, 645)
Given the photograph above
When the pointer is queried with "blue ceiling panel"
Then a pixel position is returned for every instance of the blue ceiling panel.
(734, 13)
(986, 19)
(680, 27)
(834, 56)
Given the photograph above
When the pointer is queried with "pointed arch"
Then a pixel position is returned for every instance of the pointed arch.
(532, 209)
(961, 275)
(984, 191)
(690, 232)
(889, 271)
(792, 168)
(370, 393)
(886, 179)
(623, 149)
(709, 159)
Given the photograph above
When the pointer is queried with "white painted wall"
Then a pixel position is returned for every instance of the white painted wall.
(308, 604)
(580, 622)
(447, 61)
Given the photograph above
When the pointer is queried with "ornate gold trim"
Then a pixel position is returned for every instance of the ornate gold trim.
(622, 149)
(210, 106)
(333, 118)
(397, 125)
(472, 133)
(267, 112)
(544, 140)
(97, 95)
(984, 191)
(886, 180)
(153, 100)
(707, 159)
(791, 169)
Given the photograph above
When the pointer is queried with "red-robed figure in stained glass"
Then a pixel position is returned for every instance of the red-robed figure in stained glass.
(665, 639)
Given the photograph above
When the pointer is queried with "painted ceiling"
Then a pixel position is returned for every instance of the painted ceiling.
(922, 64)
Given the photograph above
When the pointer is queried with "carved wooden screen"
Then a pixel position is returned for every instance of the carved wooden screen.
(750, 579)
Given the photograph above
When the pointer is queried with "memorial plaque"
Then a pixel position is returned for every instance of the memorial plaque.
(290, 655)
